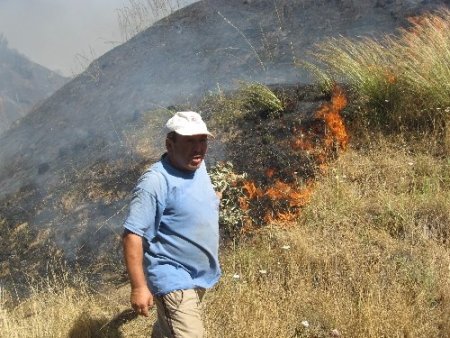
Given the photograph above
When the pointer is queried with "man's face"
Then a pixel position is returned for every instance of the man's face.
(187, 152)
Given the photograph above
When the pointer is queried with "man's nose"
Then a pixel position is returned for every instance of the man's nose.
(198, 146)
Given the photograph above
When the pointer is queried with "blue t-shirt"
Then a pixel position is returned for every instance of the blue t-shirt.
(177, 214)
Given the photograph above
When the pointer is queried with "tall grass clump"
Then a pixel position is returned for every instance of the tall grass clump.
(259, 98)
(252, 100)
(399, 81)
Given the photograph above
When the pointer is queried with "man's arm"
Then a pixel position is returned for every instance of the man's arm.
(141, 298)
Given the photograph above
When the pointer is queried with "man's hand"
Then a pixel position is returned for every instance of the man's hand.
(141, 300)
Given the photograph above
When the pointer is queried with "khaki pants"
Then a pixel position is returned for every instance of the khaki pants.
(179, 315)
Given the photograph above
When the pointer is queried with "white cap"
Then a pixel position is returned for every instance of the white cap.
(187, 123)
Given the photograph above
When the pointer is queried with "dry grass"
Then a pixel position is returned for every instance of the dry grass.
(402, 81)
(369, 257)
(64, 307)
(138, 15)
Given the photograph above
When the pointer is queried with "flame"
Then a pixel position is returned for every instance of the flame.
(244, 203)
(338, 100)
(251, 190)
(300, 198)
(270, 172)
(281, 200)
(286, 216)
(302, 143)
(278, 191)
(336, 133)
(283, 191)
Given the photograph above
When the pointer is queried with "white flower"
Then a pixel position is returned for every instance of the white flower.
(335, 333)
(305, 323)
(236, 276)
(286, 247)
(411, 163)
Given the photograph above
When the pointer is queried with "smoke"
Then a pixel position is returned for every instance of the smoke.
(52, 32)
(63, 36)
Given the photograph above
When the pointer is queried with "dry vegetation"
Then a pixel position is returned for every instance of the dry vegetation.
(137, 15)
(367, 256)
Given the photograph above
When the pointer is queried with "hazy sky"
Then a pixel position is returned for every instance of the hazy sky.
(60, 34)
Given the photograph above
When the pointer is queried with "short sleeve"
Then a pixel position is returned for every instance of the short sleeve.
(145, 209)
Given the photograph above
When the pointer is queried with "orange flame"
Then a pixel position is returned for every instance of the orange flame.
(300, 198)
(302, 143)
(278, 190)
(251, 190)
(287, 199)
(336, 133)
(270, 172)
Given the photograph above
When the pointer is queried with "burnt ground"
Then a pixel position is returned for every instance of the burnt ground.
(78, 225)
(262, 141)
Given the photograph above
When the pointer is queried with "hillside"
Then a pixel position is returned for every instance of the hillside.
(23, 85)
(67, 167)
(335, 208)
(203, 46)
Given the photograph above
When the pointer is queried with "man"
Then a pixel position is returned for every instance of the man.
(171, 233)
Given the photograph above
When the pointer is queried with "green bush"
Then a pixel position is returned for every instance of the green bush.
(228, 184)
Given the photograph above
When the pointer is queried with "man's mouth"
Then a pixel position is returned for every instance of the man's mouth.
(197, 159)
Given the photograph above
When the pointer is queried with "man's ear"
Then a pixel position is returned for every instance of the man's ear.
(169, 144)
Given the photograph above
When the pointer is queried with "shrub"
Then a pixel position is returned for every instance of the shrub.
(259, 99)
(252, 100)
(229, 185)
